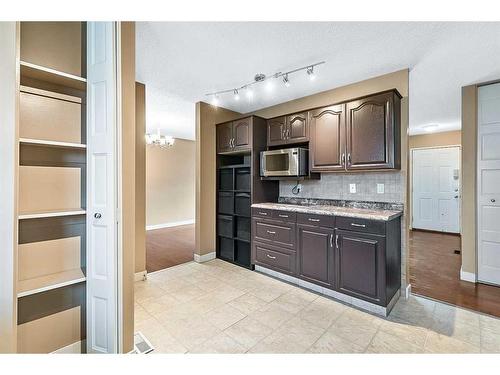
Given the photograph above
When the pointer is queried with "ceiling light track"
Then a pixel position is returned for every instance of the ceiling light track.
(259, 78)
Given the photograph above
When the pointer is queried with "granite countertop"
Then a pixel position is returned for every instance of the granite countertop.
(363, 213)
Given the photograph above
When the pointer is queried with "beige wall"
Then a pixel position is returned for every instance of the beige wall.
(128, 182)
(170, 183)
(436, 139)
(469, 147)
(206, 118)
(140, 177)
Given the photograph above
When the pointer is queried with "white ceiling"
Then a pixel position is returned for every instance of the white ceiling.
(181, 62)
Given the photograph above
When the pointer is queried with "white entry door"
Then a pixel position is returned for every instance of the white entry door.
(102, 254)
(436, 194)
(488, 189)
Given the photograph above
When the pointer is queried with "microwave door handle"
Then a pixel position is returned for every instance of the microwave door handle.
(263, 165)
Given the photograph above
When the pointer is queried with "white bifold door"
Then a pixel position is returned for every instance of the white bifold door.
(102, 269)
(488, 187)
(436, 194)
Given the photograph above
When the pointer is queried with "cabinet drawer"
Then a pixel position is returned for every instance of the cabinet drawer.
(262, 212)
(274, 257)
(281, 234)
(318, 220)
(361, 225)
(287, 216)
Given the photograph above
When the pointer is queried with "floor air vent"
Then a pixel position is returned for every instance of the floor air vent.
(141, 344)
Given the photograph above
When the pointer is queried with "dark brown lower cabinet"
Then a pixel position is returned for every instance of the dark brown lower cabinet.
(316, 255)
(360, 259)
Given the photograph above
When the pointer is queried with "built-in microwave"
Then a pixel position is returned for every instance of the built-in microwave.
(284, 162)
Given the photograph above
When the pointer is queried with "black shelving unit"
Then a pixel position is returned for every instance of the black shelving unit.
(233, 209)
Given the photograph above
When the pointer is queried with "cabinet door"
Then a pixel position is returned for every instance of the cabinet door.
(297, 128)
(360, 260)
(327, 136)
(370, 132)
(224, 137)
(316, 255)
(241, 134)
(276, 128)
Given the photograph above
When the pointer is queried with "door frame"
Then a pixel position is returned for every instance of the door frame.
(478, 182)
(410, 182)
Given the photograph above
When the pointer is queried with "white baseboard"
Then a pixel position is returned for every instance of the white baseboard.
(204, 258)
(467, 276)
(170, 224)
(141, 276)
(75, 348)
(408, 291)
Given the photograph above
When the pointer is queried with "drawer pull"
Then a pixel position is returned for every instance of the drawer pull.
(263, 213)
(270, 257)
(314, 220)
(358, 225)
(271, 232)
(283, 215)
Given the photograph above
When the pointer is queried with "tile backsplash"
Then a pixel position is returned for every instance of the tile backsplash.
(336, 186)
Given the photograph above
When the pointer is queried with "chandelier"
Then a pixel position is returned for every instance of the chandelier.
(157, 139)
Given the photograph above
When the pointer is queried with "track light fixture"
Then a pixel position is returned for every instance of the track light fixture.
(286, 81)
(310, 73)
(261, 78)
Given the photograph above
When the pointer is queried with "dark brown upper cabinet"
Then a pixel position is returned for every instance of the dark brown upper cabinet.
(316, 254)
(234, 136)
(363, 134)
(288, 129)
(276, 128)
(327, 145)
(373, 135)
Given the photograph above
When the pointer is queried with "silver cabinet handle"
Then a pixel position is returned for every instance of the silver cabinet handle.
(288, 133)
(270, 257)
(283, 215)
(263, 213)
(331, 240)
(342, 160)
(358, 225)
(314, 220)
(337, 241)
(271, 232)
(349, 160)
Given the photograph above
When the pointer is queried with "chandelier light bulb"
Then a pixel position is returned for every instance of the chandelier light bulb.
(236, 95)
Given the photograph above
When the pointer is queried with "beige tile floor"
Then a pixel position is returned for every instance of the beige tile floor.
(216, 307)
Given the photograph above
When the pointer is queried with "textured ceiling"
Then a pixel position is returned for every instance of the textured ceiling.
(181, 62)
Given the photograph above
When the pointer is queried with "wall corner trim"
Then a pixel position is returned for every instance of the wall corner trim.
(408, 291)
(170, 224)
(141, 276)
(204, 258)
(467, 276)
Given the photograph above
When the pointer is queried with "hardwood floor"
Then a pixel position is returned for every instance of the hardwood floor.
(169, 247)
(435, 273)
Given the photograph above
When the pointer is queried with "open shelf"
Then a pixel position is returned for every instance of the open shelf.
(49, 282)
(56, 77)
(47, 143)
(51, 213)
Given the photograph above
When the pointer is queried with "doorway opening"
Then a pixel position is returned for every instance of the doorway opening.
(435, 254)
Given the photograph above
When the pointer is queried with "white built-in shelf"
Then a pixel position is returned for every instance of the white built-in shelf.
(53, 76)
(49, 282)
(44, 142)
(50, 213)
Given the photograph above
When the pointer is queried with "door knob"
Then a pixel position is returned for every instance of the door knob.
(493, 200)
(97, 215)
(456, 196)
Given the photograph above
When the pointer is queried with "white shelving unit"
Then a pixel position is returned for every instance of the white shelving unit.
(44, 142)
(51, 213)
(49, 282)
(51, 75)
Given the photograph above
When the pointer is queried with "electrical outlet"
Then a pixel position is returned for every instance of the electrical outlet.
(380, 188)
(352, 188)
(299, 187)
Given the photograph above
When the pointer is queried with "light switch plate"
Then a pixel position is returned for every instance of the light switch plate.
(380, 188)
(352, 188)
